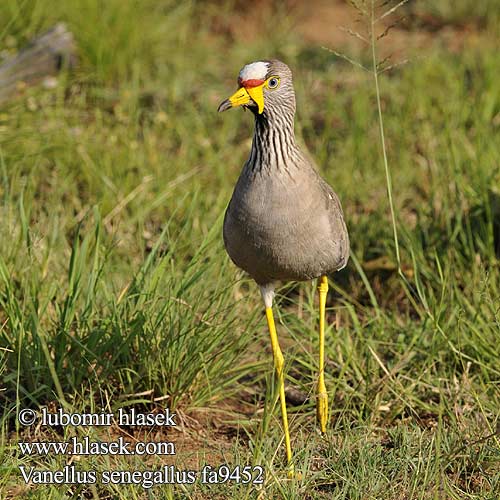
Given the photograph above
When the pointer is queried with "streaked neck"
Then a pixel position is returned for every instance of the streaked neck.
(273, 144)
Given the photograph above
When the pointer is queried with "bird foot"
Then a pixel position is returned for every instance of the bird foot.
(322, 409)
(291, 474)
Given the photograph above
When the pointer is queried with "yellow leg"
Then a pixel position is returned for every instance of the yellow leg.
(279, 365)
(321, 394)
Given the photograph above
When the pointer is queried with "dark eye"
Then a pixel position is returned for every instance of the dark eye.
(273, 82)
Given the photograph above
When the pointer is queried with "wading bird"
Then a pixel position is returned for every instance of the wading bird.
(284, 222)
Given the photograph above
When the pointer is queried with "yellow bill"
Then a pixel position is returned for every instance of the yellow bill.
(243, 96)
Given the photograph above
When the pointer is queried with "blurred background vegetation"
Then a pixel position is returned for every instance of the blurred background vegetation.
(115, 289)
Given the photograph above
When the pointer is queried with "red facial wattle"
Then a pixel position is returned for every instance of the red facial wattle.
(250, 83)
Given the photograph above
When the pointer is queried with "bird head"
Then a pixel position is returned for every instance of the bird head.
(262, 86)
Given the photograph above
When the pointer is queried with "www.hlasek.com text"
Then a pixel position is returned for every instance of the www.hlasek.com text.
(87, 446)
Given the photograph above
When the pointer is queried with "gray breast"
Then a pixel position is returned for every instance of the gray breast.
(285, 226)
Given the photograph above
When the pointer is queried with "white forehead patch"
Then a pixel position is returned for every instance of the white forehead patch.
(254, 71)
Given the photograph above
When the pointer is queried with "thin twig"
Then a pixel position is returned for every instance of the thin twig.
(353, 33)
(357, 6)
(395, 65)
(389, 12)
(389, 28)
(453, 455)
(382, 137)
(347, 58)
(381, 63)
(127, 199)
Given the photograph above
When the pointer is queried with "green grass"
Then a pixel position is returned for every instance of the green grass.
(115, 289)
